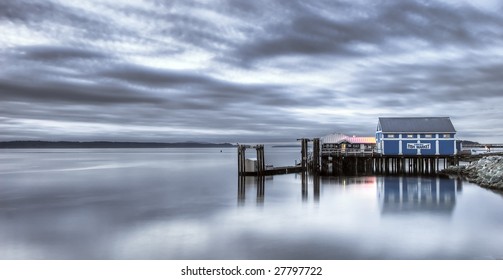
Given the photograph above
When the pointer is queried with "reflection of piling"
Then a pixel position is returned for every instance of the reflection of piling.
(241, 190)
(260, 189)
(304, 186)
(316, 187)
(257, 182)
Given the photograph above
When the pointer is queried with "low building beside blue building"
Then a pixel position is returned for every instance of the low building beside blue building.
(340, 143)
(421, 136)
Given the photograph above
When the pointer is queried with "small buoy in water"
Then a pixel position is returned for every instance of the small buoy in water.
(220, 150)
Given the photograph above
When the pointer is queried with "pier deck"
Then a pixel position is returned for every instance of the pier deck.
(369, 162)
(352, 162)
(274, 171)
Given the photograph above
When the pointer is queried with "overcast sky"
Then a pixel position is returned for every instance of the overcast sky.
(246, 71)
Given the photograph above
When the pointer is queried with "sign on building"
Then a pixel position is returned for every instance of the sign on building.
(414, 146)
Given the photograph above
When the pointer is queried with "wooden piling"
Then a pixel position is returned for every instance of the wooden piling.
(241, 159)
(316, 155)
(304, 159)
(260, 160)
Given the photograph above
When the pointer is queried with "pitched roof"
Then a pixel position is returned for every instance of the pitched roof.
(418, 124)
(339, 138)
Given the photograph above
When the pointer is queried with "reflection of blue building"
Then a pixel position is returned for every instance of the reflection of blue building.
(416, 136)
(417, 194)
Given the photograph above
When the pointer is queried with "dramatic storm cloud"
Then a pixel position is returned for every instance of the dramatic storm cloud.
(245, 71)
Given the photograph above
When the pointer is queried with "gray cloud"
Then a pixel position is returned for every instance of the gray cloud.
(154, 77)
(245, 70)
(381, 27)
(58, 53)
(66, 92)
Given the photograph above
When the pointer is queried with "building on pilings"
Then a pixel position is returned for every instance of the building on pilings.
(416, 136)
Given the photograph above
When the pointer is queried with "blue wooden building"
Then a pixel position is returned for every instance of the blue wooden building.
(422, 136)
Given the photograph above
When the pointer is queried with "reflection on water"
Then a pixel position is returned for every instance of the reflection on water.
(372, 217)
(417, 194)
(181, 204)
(395, 194)
(247, 185)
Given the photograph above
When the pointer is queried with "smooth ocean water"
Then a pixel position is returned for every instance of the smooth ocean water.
(187, 204)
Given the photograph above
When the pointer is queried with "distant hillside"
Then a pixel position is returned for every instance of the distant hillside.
(468, 142)
(106, 144)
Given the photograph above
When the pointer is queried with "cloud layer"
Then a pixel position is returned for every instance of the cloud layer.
(244, 71)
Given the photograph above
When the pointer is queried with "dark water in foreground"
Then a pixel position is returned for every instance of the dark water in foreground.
(186, 204)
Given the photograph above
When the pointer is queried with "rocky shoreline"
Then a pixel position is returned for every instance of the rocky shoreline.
(486, 172)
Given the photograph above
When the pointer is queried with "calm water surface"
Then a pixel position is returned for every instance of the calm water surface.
(189, 204)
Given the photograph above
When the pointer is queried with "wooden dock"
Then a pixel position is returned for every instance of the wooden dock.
(485, 146)
(368, 163)
(351, 162)
(259, 167)
(274, 171)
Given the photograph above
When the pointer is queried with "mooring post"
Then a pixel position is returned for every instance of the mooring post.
(241, 159)
(260, 159)
(263, 157)
(303, 153)
(316, 155)
(324, 164)
(333, 165)
(356, 166)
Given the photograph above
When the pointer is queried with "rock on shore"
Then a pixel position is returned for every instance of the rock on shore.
(487, 172)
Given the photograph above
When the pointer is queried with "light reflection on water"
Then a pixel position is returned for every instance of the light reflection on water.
(190, 204)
